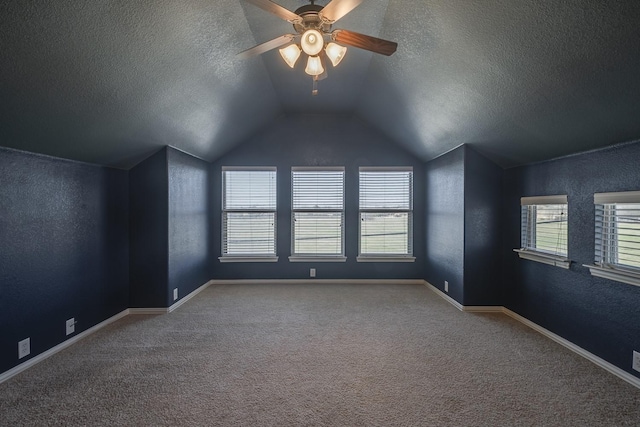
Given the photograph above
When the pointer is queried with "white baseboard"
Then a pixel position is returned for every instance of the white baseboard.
(40, 357)
(4, 376)
(635, 381)
(188, 297)
(620, 373)
(482, 309)
(159, 310)
(319, 281)
(465, 308)
(165, 310)
(444, 296)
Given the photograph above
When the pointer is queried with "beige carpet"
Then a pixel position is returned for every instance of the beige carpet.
(318, 355)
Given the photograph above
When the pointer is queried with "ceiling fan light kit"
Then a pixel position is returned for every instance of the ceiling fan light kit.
(290, 54)
(314, 66)
(312, 42)
(313, 24)
(335, 52)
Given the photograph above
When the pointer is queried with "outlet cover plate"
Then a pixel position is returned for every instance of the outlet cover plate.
(175, 294)
(446, 286)
(636, 361)
(24, 348)
(312, 272)
(71, 326)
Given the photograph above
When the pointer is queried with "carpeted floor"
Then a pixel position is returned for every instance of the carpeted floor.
(317, 355)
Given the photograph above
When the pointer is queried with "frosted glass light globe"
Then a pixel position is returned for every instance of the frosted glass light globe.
(335, 52)
(314, 66)
(290, 54)
(312, 42)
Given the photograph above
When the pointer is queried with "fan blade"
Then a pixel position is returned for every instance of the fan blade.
(336, 9)
(267, 46)
(276, 9)
(373, 44)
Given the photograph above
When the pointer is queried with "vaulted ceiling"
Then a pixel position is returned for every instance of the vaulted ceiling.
(110, 82)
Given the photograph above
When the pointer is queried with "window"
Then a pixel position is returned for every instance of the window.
(617, 242)
(386, 214)
(544, 230)
(248, 214)
(317, 214)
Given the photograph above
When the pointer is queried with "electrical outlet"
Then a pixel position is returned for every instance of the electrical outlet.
(24, 348)
(71, 326)
(636, 361)
(175, 294)
(312, 272)
(446, 286)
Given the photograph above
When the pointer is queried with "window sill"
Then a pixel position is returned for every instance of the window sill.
(624, 276)
(317, 259)
(549, 259)
(248, 259)
(365, 258)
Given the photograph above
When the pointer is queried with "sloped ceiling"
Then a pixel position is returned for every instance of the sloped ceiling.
(110, 82)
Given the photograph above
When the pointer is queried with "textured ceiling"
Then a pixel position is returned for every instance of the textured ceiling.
(110, 82)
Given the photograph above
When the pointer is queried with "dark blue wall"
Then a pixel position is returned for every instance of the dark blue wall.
(64, 249)
(317, 140)
(170, 199)
(444, 221)
(149, 246)
(483, 230)
(190, 257)
(599, 315)
(463, 226)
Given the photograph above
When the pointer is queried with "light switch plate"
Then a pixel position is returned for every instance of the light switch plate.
(24, 348)
(71, 326)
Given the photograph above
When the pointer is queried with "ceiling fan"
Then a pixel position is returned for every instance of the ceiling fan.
(314, 36)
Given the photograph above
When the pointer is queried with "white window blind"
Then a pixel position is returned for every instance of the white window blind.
(249, 212)
(544, 224)
(617, 242)
(317, 211)
(386, 211)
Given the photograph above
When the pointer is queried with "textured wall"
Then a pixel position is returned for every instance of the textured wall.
(599, 315)
(318, 140)
(64, 252)
(444, 222)
(482, 229)
(190, 256)
(148, 187)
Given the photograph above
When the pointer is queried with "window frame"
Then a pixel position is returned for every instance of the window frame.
(528, 231)
(605, 217)
(257, 257)
(387, 257)
(316, 257)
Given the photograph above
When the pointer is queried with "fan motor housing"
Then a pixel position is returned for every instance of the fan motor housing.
(310, 15)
